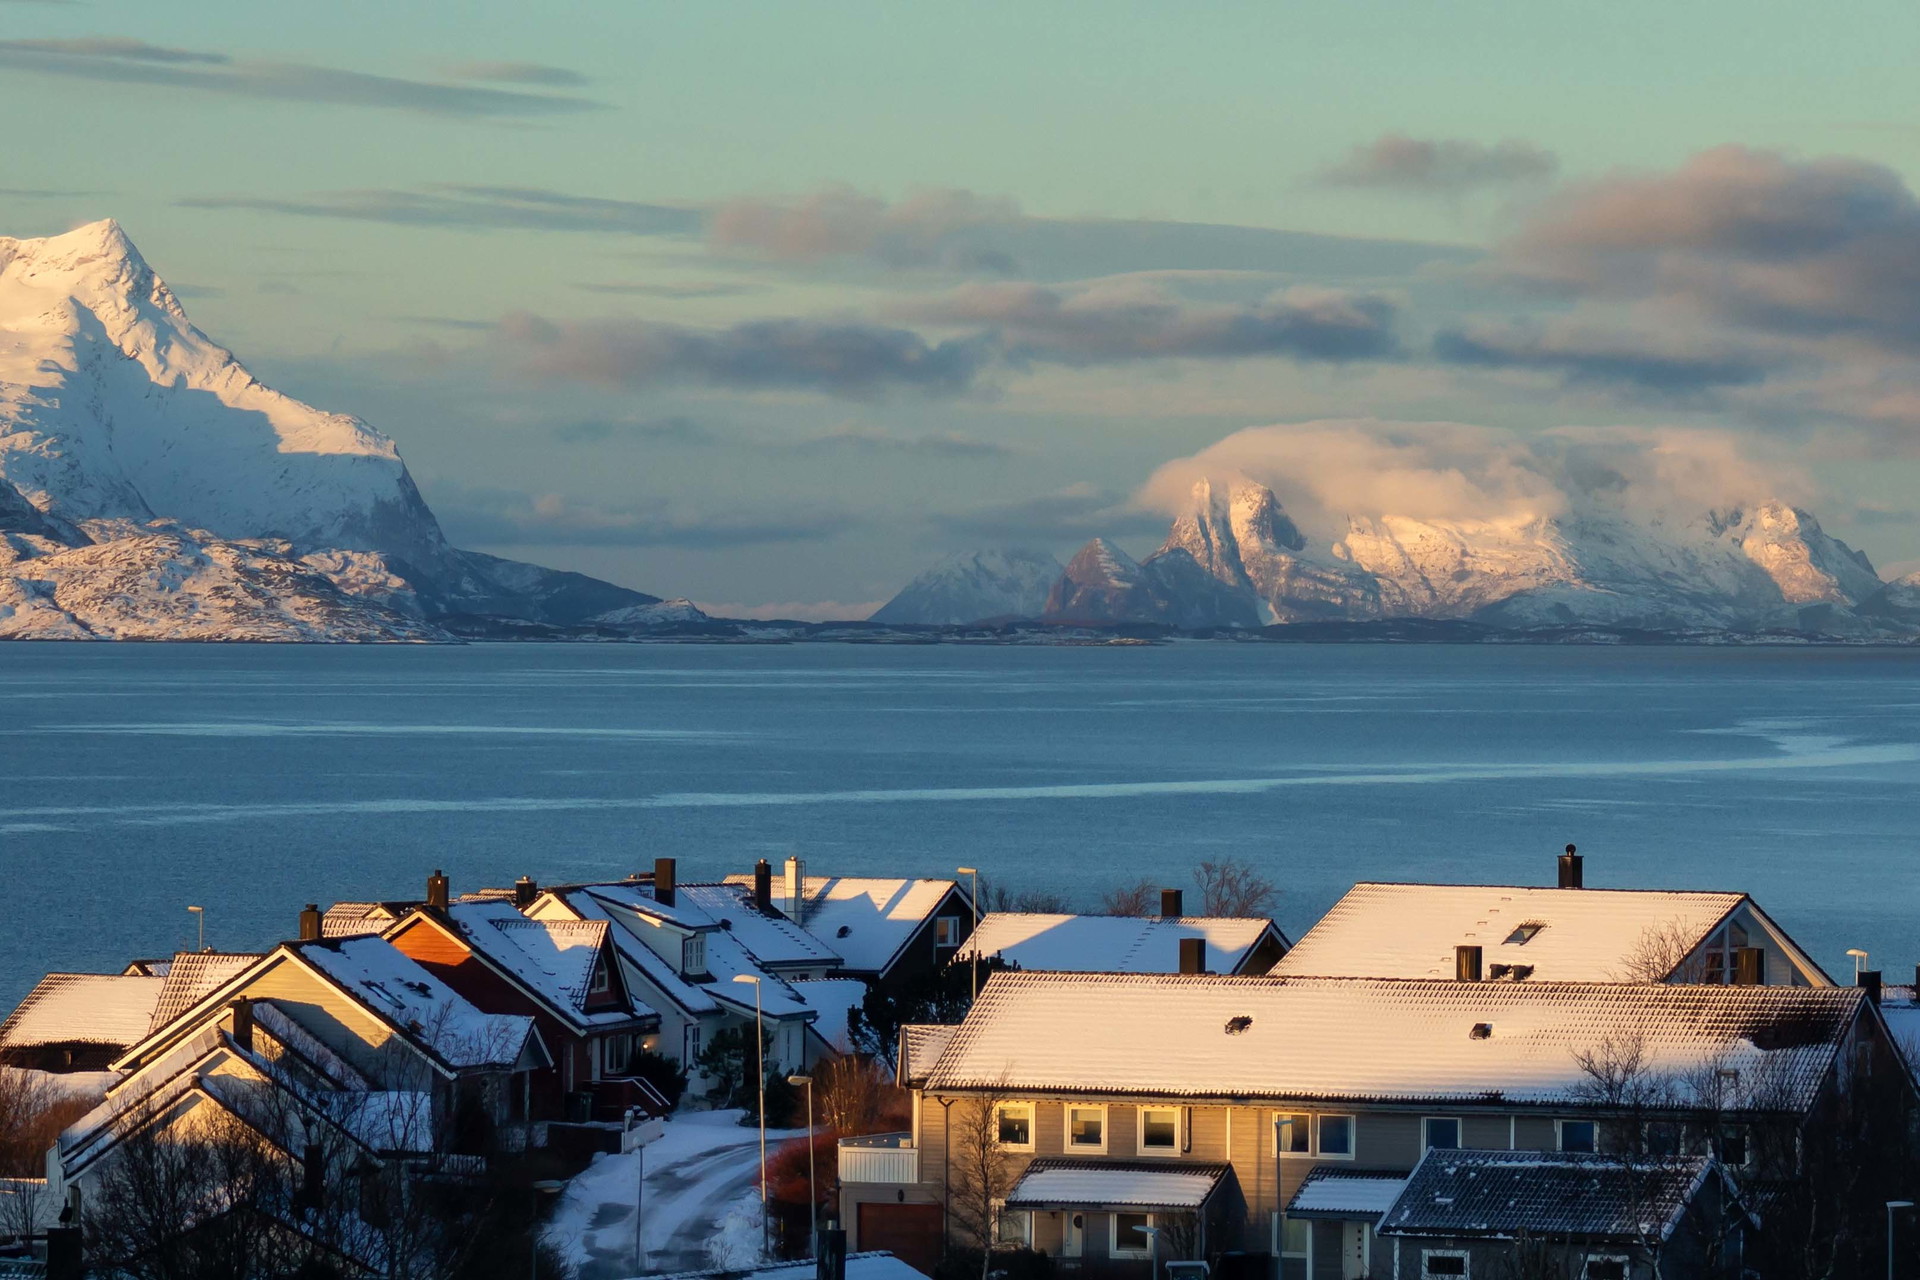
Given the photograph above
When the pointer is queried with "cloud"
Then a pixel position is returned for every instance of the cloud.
(922, 230)
(1131, 320)
(940, 444)
(1448, 166)
(1074, 513)
(676, 292)
(1823, 248)
(516, 73)
(1324, 472)
(119, 60)
(477, 208)
(1673, 367)
(840, 358)
(672, 430)
(500, 517)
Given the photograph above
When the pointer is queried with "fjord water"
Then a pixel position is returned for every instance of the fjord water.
(139, 779)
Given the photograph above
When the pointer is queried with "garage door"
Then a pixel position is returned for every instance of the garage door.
(911, 1232)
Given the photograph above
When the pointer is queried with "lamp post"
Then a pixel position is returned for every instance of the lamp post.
(813, 1199)
(1892, 1207)
(544, 1187)
(200, 913)
(1153, 1250)
(975, 897)
(760, 1076)
(1279, 1197)
(1859, 963)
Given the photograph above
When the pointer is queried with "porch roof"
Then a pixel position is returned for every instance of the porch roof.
(1358, 1194)
(1115, 1184)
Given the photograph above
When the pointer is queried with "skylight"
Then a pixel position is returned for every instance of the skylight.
(1524, 934)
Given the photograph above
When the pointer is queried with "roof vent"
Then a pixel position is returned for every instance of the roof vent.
(1236, 1025)
(1481, 1031)
(843, 931)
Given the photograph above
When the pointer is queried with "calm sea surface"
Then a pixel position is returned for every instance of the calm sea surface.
(138, 779)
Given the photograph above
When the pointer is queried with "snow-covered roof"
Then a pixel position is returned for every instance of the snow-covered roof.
(1545, 1195)
(1113, 944)
(83, 1008)
(921, 1044)
(190, 976)
(1359, 1039)
(401, 992)
(354, 919)
(867, 921)
(553, 958)
(1566, 935)
(1114, 1184)
(860, 1266)
(770, 939)
(637, 895)
(1346, 1193)
(833, 999)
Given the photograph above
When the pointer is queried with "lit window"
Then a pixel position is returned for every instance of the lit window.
(1336, 1137)
(1294, 1133)
(1579, 1135)
(1159, 1129)
(1434, 1263)
(1013, 1228)
(1013, 1125)
(1087, 1127)
(1443, 1134)
(946, 932)
(1129, 1235)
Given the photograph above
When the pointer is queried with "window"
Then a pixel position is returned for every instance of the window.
(1013, 1228)
(1129, 1241)
(1013, 1125)
(946, 932)
(693, 954)
(1296, 1238)
(617, 1053)
(1579, 1135)
(1604, 1267)
(1087, 1128)
(1159, 1130)
(1336, 1137)
(1733, 1145)
(1436, 1262)
(1294, 1133)
(1442, 1134)
(599, 982)
(1525, 933)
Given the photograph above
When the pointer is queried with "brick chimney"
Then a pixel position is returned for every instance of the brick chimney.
(438, 890)
(763, 887)
(1170, 904)
(664, 886)
(1466, 964)
(310, 922)
(243, 1023)
(1193, 955)
(1572, 875)
(1869, 981)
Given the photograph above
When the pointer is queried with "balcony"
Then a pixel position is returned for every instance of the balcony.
(879, 1157)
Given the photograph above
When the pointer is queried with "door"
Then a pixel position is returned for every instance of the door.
(1354, 1250)
(910, 1232)
(1073, 1239)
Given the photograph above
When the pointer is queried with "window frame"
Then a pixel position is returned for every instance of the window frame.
(1459, 1136)
(1140, 1146)
(1067, 1144)
(1466, 1263)
(1288, 1130)
(950, 926)
(1353, 1135)
(1001, 1216)
(1560, 1136)
(1743, 1133)
(693, 954)
(1028, 1109)
(602, 980)
(1142, 1250)
(1626, 1263)
(625, 1069)
(1306, 1239)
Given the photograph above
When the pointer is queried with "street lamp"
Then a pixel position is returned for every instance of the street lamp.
(1892, 1207)
(201, 913)
(969, 871)
(813, 1199)
(544, 1187)
(1859, 963)
(1153, 1250)
(760, 1075)
(1279, 1190)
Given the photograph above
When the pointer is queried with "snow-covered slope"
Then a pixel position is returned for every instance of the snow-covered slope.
(1234, 558)
(661, 613)
(971, 585)
(116, 413)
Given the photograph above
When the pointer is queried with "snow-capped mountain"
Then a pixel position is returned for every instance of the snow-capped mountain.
(972, 585)
(122, 423)
(1769, 565)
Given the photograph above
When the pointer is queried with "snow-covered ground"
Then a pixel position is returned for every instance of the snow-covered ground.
(701, 1201)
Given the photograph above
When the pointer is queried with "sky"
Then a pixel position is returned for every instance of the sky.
(773, 305)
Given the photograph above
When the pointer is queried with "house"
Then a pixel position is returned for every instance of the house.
(78, 1021)
(1564, 934)
(563, 974)
(1069, 1101)
(884, 930)
(1127, 944)
(1584, 1214)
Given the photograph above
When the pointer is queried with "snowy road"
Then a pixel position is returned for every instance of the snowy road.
(703, 1167)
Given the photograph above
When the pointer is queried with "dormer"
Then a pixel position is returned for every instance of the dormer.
(693, 957)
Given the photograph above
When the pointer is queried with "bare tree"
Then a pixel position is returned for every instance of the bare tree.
(855, 1096)
(1140, 898)
(1233, 887)
(33, 1111)
(1664, 952)
(982, 1170)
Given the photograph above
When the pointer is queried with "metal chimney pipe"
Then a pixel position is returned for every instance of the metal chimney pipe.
(525, 890)
(439, 892)
(1171, 904)
(1572, 875)
(310, 919)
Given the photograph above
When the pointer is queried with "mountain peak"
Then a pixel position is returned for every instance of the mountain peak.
(969, 586)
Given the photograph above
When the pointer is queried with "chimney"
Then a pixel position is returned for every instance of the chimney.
(1749, 967)
(1869, 982)
(795, 892)
(830, 1263)
(1466, 964)
(1193, 955)
(243, 1023)
(1571, 875)
(1170, 904)
(437, 889)
(763, 887)
(310, 922)
(663, 881)
(525, 890)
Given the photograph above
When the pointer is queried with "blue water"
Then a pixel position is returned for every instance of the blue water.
(135, 780)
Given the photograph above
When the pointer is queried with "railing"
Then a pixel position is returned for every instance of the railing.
(879, 1157)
